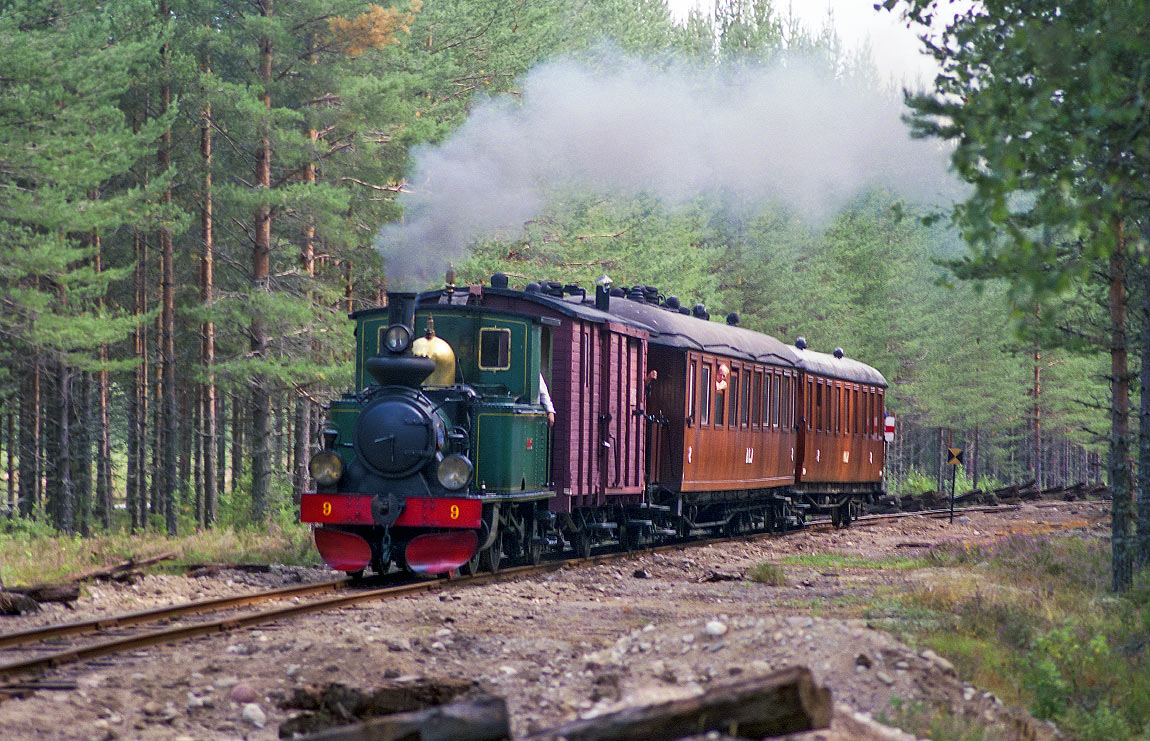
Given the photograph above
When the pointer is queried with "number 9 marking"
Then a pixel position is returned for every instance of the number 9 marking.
(455, 511)
(327, 509)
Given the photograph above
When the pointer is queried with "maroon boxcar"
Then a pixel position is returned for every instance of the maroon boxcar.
(595, 374)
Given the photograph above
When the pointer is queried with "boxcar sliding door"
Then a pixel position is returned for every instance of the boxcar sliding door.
(621, 424)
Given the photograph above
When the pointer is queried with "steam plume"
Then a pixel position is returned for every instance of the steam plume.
(785, 133)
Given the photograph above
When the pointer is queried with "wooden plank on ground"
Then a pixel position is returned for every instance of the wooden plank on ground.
(786, 701)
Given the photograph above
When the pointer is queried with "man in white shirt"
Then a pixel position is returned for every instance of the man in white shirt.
(545, 400)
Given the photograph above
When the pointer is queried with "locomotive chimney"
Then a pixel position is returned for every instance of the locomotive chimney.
(401, 309)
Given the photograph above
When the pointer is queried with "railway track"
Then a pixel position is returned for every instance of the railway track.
(344, 596)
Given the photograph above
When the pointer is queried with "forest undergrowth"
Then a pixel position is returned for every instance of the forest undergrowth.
(1031, 619)
(32, 552)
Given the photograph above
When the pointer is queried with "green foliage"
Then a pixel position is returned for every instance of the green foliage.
(847, 561)
(1030, 619)
(768, 573)
(917, 482)
(936, 723)
(1038, 98)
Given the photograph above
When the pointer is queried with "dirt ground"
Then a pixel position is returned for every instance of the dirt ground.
(574, 643)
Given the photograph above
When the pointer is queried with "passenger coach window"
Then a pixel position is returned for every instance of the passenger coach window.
(757, 414)
(494, 348)
(745, 404)
(705, 412)
(776, 402)
(720, 391)
(788, 402)
(691, 390)
(819, 421)
(734, 418)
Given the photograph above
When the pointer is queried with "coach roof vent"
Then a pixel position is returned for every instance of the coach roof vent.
(801, 343)
(499, 280)
(733, 318)
(700, 312)
(839, 353)
(603, 292)
(672, 303)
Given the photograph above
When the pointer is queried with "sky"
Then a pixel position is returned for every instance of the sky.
(894, 47)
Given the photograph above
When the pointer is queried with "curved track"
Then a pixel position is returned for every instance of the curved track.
(346, 596)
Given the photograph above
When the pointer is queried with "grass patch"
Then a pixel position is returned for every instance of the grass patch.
(768, 573)
(31, 554)
(936, 723)
(845, 561)
(1031, 618)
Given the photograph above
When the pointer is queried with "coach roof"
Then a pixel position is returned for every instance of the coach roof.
(672, 329)
(845, 368)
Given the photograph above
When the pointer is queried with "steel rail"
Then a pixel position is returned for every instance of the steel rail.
(156, 614)
(167, 635)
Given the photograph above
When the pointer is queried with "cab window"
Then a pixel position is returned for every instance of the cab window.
(494, 348)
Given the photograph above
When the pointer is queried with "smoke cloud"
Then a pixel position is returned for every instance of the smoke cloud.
(785, 133)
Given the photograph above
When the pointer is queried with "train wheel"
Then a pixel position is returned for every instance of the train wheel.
(846, 516)
(837, 517)
(533, 548)
(471, 568)
(631, 538)
(581, 543)
(493, 556)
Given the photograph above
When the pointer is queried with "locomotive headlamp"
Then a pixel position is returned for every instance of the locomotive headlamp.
(454, 472)
(397, 338)
(326, 468)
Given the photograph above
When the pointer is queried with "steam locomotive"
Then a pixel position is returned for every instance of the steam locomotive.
(666, 425)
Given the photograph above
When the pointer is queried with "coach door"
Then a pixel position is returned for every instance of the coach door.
(621, 433)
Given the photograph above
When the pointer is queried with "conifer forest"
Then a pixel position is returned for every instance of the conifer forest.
(192, 194)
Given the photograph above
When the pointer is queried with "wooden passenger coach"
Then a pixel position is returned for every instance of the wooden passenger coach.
(841, 435)
(722, 406)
